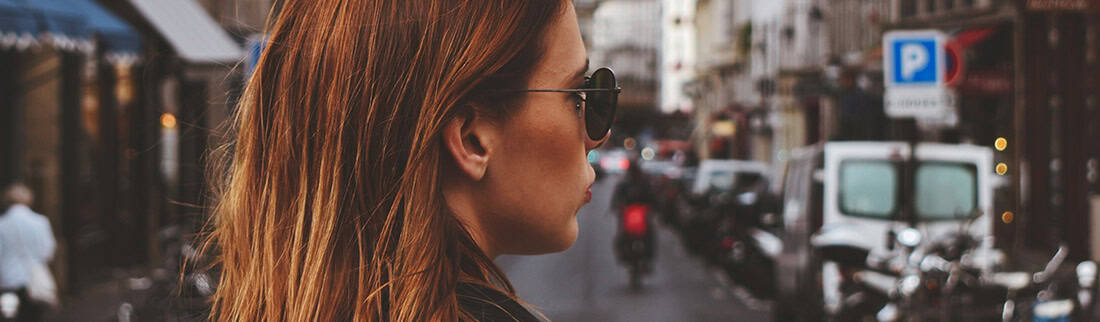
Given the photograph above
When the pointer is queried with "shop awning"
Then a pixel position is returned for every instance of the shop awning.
(18, 28)
(59, 23)
(968, 37)
(117, 35)
(190, 31)
(980, 75)
(69, 24)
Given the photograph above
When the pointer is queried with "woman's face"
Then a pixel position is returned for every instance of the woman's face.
(539, 177)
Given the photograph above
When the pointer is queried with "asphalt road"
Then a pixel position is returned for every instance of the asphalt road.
(585, 283)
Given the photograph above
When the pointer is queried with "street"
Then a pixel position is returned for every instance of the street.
(585, 283)
(839, 159)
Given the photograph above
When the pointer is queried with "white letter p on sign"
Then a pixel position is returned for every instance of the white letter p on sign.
(914, 58)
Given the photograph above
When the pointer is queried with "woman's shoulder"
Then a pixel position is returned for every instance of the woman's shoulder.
(489, 305)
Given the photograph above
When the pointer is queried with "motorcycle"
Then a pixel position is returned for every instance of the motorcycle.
(943, 281)
(865, 285)
(954, 280)
(749, 246)
(1043, 296)
(970, 289)
(635, 244)
(886, 286)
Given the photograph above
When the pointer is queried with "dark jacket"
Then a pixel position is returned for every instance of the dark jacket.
(488, 305)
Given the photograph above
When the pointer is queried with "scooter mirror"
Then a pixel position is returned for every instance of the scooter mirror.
(909, 237)
(1052, 266)
(1086, 274)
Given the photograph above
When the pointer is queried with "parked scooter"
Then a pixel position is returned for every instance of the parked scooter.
(1044, 296)
(701, 230)
(952, 279)
(670, 200)
(750, 245)
(862, 291)
(942, 281)
(882, 287)
(726, 219)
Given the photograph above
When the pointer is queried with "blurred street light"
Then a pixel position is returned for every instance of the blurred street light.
(168, 121)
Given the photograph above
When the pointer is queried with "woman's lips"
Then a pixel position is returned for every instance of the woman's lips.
(588, 196)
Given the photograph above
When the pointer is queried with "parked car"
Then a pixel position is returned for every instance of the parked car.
(666, 178)
(675, 199)
(714, 177)
(615, 161)
(724, 175)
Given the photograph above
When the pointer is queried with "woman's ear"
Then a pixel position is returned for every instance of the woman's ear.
(468, 137)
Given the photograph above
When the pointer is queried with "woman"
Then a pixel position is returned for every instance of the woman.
(387, 151)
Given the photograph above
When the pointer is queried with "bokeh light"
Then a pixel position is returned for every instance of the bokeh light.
(168, 121)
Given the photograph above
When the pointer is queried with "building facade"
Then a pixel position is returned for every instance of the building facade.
(107, 118)
(625, 37)
(678, 56)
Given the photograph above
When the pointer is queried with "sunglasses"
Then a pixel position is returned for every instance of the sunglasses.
(598, 98)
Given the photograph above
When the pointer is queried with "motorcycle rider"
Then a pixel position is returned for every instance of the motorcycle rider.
(634, 193)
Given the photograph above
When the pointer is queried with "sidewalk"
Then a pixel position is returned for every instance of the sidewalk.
(150, 300)
(98, 302)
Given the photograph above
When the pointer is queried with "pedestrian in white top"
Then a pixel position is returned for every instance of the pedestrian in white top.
(26, 244)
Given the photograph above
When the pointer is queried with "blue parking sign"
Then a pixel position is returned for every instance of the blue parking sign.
(914, 61)
(915, 58)
(914, 72)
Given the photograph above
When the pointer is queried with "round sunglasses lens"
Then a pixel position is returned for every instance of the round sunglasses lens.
(600, 106)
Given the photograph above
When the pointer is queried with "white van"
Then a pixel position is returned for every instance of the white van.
(850, 192)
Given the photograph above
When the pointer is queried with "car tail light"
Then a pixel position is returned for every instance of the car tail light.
(727, 243)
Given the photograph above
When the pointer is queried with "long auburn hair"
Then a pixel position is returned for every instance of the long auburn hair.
(329, 205)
